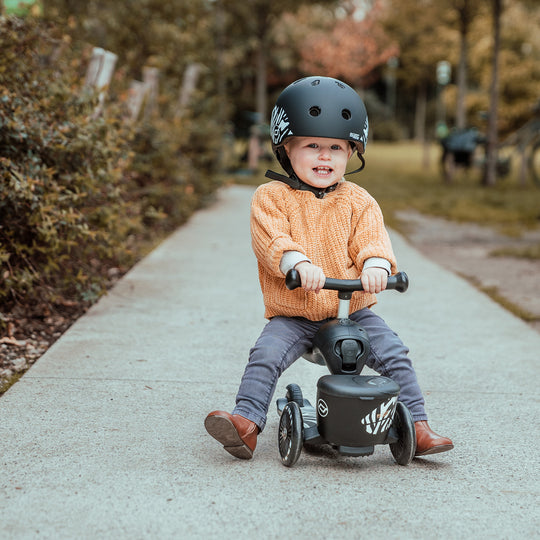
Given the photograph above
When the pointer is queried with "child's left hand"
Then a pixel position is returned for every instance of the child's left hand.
(374, 279)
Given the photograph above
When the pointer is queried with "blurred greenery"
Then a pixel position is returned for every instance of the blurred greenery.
(84, 195)
(81, 195)
(396, 174)
(397, 177)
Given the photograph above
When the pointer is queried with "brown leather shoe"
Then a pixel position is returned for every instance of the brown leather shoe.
(428, 442)
(237, 434)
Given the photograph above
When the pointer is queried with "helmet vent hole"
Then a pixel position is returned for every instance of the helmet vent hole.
(346, 114)
(315, 111)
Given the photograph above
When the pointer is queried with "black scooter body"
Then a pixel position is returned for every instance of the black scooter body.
(353, 412)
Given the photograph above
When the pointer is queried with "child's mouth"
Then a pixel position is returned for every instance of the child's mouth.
(324, 171)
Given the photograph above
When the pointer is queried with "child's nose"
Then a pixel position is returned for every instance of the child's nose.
(324, 153)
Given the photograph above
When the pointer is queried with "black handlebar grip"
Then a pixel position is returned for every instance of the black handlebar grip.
(398, 282)
(292, 279)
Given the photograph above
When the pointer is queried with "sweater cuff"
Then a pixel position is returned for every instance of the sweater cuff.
(290, 259)
(378, 262)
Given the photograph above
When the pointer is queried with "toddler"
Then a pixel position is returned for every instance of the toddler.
(314, 220)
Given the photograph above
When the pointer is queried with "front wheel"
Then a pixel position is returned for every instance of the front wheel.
(404, 448)
(290, 434)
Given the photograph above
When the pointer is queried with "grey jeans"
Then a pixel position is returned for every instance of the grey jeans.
(285, 339)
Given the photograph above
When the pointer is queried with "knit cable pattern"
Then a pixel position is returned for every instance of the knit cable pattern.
(338, 233)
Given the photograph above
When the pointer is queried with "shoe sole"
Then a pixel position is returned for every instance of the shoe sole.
(223, 430)
(435, 450)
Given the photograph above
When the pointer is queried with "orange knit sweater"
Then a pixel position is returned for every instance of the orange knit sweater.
(338, 233)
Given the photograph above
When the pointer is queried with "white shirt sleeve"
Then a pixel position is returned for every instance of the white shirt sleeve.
(290, 259)
(378, 262)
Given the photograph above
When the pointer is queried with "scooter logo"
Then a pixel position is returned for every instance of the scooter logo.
(322, 407)
(380, 419)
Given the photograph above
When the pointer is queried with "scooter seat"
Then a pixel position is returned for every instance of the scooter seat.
(314, 359)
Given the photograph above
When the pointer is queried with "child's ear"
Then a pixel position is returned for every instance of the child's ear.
(286, 148)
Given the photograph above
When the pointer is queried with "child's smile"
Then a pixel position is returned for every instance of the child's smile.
(323, 170)
(318, 161)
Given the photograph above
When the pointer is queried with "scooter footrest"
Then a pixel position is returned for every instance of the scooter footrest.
(312, 435)
(309, 415)
(355, 451)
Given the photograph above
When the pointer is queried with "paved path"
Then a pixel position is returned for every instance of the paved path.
(104, 436)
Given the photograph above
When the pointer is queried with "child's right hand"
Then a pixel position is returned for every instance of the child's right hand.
(311, 276)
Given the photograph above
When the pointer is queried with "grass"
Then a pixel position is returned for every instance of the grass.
(519, 311)
(400, 177)
(531, 252)
(405, 176)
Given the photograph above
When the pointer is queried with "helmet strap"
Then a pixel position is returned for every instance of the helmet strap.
(295, 182)
(361, 158)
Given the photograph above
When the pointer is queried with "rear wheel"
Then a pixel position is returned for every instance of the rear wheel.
(404, 448)
(290, 434)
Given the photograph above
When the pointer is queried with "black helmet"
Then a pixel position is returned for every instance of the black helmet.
(318, 107)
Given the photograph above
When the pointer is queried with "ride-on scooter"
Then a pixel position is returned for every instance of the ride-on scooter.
(353, 412)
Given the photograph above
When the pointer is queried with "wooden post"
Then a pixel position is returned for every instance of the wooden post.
(189, 83)
(150, 78)
(254, 148)
(136, 93)
(94, 67)
(523, 167)
(144, 95)
(99, 75)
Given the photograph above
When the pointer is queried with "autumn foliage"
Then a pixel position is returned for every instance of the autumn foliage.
(352, 49)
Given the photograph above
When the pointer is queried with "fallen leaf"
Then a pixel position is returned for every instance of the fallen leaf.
(11, 341)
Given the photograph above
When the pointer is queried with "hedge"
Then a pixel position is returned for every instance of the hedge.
(81, 195)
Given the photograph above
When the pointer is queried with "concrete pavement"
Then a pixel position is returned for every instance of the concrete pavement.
(104, 436)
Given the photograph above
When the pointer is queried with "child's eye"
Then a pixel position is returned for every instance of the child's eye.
(313, 145)
(336, 147)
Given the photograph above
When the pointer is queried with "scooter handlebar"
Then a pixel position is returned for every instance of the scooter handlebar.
(398, 282)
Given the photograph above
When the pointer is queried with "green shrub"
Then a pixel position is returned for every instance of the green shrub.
(61, 206)
(81, 195)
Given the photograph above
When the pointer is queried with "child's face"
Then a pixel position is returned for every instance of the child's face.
(318, 161)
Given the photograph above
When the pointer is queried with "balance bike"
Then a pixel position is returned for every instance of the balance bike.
(354, 412)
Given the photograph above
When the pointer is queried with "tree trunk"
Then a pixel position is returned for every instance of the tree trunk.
(420, 114)
(221, 84)
(261, 95)
(262, 60)
(462, 70)
(490, 176)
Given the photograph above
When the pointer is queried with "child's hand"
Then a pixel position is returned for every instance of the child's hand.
(311, 276)
(374, 279)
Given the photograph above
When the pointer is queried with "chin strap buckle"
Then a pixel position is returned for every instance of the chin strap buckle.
(296, 183)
